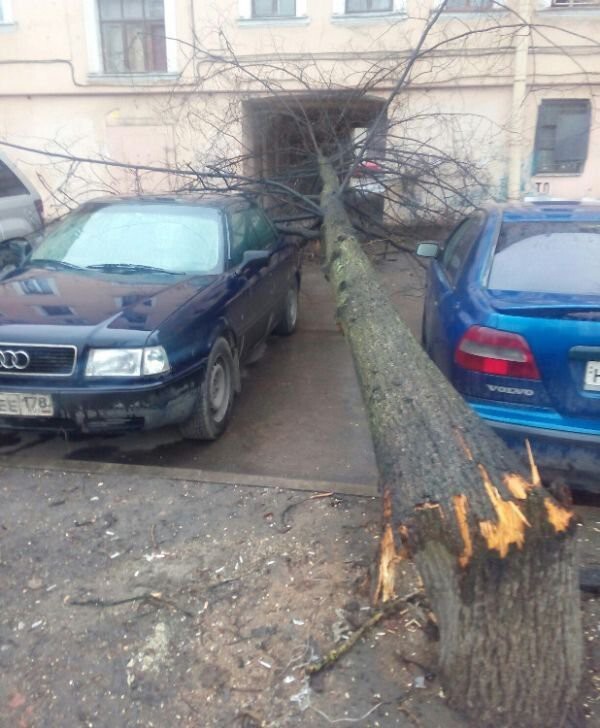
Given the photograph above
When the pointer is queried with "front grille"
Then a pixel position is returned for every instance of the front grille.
(46, 361)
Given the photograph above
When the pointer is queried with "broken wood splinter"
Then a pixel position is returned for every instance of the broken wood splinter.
(510, 526)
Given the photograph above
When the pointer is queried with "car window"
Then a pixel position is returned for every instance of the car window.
(262, 232)
(175, 237)
(239, 239)
(250, 230)
(10, 184)
(547, 257)
(458, 246)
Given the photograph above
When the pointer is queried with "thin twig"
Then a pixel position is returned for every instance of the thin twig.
(334, 655)
(150, 598)
(286, 511)
(153, 537)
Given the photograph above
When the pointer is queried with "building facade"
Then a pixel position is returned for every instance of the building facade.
(183, 84)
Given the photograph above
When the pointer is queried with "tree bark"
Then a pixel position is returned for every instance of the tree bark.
(496, 552)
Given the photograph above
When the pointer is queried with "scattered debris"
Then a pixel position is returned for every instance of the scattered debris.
(302, 698)
(153, 557)
(151, 657)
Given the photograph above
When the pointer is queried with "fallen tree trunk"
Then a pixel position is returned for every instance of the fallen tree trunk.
(495, 551)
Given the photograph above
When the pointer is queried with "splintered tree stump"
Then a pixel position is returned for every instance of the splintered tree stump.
(496, 552)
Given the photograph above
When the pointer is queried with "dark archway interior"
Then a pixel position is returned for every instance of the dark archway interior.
(283, 132)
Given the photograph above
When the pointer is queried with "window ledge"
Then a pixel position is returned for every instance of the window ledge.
(130, 79)
(261, 22)
(473, 13)
(376, 17)
(7, 27)
(557, 174)
(577, 12)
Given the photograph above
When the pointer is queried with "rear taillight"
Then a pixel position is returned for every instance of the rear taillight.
(39, 206)
(490, 351)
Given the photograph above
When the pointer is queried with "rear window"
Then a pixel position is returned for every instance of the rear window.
(10, 184)
(547, 257)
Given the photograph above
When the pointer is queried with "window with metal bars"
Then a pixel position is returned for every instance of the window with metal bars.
(562, 136)
(369, 6)
(133, 36)
(273, 8)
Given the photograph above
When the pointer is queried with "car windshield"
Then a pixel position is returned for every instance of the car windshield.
(561, 257)
(173, 238)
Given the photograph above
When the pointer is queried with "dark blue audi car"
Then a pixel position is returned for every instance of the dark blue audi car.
(135, 313)
(512, 318)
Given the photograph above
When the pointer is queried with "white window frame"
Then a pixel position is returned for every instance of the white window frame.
(91, 17)
(339, 9)
(7, 15)
(572, 4)
(245, 12)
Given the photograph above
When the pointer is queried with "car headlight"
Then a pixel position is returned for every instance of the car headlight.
(127, 362)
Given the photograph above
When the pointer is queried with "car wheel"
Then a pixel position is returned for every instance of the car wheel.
(215, 396)
(288, 323)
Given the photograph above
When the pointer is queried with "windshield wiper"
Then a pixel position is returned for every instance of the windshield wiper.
(132, 267)
(50, 262)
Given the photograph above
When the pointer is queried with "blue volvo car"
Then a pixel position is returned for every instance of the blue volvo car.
(512, 318)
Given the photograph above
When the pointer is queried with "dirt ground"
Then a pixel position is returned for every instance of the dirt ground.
(128, 601)
(136, 596)
(135, 602)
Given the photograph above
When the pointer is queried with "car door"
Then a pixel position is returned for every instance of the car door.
(247, 308)
(280, 270)
(443, 300)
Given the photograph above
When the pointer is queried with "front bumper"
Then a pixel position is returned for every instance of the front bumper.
(111, 408)
(569, 447)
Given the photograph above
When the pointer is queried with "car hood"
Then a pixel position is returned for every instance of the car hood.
(40, 297)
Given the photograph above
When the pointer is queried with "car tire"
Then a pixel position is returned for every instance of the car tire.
(289, 320)
(215, 397)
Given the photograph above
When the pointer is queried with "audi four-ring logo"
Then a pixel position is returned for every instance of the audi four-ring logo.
(14, 359)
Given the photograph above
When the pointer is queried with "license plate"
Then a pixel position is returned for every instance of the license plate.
(15, 404)
(591, 381)
(369, 187)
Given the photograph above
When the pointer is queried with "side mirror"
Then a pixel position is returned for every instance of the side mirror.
(13, 253)
(254, 259)
(428, 249)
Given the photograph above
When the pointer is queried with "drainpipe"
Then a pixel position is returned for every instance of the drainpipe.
(519, 95)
